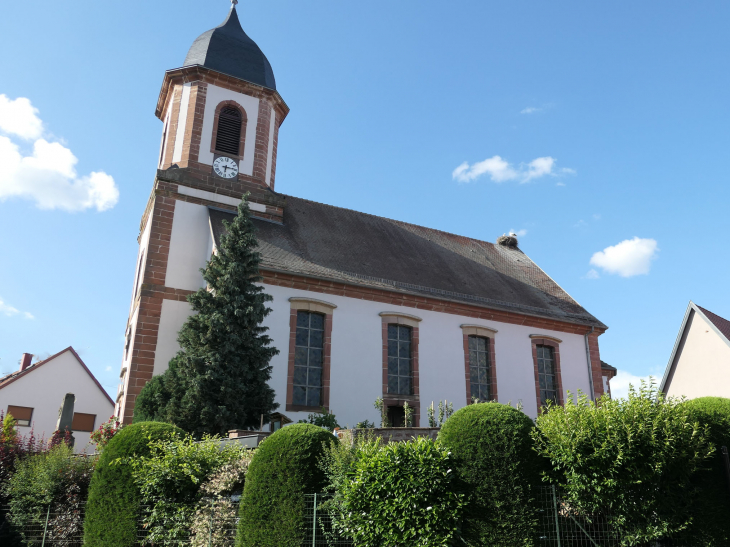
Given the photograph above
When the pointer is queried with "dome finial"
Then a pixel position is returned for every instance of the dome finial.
(234, 2)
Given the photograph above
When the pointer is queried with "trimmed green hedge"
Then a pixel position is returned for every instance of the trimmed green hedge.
(284, 469)
(711, 510)
(111, 511)
(500, 470)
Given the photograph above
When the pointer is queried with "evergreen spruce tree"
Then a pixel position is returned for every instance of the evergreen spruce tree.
(218, 379)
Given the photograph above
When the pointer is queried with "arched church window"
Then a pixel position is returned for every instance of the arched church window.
(228, 135)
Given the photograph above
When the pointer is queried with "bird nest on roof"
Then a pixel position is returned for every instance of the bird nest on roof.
(507, 241)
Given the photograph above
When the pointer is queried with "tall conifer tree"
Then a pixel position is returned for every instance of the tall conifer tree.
(218, 379)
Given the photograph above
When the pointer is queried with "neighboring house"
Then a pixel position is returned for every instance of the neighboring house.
(363, 306)
(607, 372)
(35, 393)
(700, 362)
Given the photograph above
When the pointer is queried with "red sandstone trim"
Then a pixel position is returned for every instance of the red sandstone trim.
(261, 151)
(596, 370)
(492, 369)
(326, 367)
(558, 376)
(172, 127)
(244, 123)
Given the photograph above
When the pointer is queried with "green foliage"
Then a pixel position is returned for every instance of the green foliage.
(446, 409)
(169, 480)
(365, 424)
(218, 379)
(56, 478)
(711, 508)
(282, 471)
(324, 419)
(114, 499)
(151, 402)
(211, 525)
(400, 494)
(407, 415)
(494, 460)
(383, 410)
(630, 458)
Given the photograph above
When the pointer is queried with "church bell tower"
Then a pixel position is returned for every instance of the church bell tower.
(221, 115)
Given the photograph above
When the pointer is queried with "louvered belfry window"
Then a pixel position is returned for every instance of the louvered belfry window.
(228, 136)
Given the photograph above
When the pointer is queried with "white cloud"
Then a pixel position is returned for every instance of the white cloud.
(620, 383)
(592, 274)
(108, 369)
(20, 118)
(519, 233)
(9, 311)
(530, 110)
(48, 175)
(629, 258)
(596, 217)
(559, 184)
(500, 170)
(568, 171)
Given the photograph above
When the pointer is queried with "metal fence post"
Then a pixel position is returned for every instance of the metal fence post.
(45, 527)
(555, 508)
(314, 523)
(210, 528)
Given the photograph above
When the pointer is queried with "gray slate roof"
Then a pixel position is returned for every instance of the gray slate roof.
(228, 49)
(339, 244)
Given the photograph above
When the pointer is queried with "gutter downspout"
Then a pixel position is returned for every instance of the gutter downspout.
(590, 368)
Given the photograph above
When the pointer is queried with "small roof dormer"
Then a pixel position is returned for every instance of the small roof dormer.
(229, 50)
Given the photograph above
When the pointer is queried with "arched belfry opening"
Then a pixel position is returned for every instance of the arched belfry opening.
(228, 133)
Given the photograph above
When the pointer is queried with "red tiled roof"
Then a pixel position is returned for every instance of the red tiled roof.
(723, 325)
(10, 378)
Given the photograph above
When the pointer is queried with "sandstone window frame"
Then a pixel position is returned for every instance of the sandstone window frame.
(242, 138)
(553, 342)
(393, 399)
(480, 331)
(326, 309)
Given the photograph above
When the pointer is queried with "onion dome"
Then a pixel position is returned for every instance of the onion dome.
(228, 49)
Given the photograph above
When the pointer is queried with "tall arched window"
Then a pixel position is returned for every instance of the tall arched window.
(228, 135)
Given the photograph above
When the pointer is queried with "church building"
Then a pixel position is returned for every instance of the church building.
(363, 306)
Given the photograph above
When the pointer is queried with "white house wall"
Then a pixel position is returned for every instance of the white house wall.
(44, 389)
(702, 363)
(216, 95)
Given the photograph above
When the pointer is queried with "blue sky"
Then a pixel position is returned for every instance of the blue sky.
(605, 127)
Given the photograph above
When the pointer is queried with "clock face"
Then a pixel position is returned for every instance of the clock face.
(225, 167)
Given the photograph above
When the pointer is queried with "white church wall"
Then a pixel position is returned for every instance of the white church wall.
(356, 358)
(44, 389)
(214, 97)
(172, 318)
(181, 122)
(190, 245)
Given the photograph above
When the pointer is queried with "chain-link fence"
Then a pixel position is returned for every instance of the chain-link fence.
(55, 525)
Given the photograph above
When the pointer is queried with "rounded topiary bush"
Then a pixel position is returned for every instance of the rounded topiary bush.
(499, 469)
(711, 510)
(113, 505)
(284, 468)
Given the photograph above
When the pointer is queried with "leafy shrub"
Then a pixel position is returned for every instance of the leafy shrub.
(284, 469)
(151, 401)
(711, 509)
(630, 459)
(169, 481)
(400, 494)
(101, 437)
(325, 419)
(216, 510)
(114, 498)
(500, 471)
(56, 478)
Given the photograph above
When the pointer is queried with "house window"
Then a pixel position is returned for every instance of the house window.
(480, 368)
(228, 133)
(83, 422)
(22, 414)
(547, 375)
(400, 377)
(308, 359)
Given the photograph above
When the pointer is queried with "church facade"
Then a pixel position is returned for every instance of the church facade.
(363, 306)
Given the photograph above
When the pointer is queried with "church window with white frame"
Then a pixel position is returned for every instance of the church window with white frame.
(309, 359)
